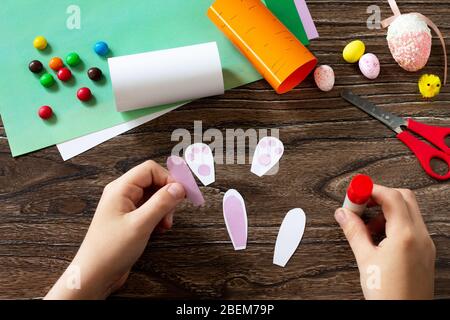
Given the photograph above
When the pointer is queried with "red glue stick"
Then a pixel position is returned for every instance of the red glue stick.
(358, 194)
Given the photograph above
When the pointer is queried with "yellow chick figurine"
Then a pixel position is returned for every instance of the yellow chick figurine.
(429, 85)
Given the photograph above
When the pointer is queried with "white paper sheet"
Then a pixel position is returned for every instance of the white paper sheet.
(166, 76)
(74, 147)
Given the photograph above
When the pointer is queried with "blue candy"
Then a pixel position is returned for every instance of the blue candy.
(101, 48)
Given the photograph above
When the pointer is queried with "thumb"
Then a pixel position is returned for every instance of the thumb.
(162, 203)
(356, 232)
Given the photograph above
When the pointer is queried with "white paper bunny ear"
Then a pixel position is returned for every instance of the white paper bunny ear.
(235, 216)
(200, 159)
(289, 236)
(267, 154)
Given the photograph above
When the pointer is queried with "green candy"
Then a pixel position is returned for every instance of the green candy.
(73, 59)
(47, 80)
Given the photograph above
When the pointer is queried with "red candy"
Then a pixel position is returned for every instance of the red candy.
(84, 94)
(64, 74)
(45, 112)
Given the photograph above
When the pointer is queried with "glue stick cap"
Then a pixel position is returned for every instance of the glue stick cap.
(360, 189)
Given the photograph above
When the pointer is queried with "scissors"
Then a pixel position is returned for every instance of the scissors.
(423, 151)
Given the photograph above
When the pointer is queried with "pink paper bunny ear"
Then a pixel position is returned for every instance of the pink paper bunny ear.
(394, 7)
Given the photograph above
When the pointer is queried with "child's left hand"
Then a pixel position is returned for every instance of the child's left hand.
(129, 210)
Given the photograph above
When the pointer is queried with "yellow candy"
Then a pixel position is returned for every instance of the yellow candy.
(40, 43)
(354, 51)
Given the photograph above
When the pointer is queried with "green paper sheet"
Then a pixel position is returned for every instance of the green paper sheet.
(286, 11)
(129, 27)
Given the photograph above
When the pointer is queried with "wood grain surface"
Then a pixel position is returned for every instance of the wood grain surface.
(46, 204)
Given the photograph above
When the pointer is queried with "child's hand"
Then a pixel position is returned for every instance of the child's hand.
(402, 265)
(130, 208)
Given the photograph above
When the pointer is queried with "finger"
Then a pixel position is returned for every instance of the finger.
(377, 225)
(159, 205)
(131, 185)
(166, 222)
(159, 230)
(356, 232)
(146, 174)
(394, 209)
(371, 203)
(413, 206)
(118, 190)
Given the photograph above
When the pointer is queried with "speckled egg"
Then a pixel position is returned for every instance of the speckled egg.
(409, 40)
(324, 78)
(354, 51)
(369, 66)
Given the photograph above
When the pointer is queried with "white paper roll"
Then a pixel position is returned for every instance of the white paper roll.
(166, 76)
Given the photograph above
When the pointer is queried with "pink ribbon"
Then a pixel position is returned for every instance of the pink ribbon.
(394, 7)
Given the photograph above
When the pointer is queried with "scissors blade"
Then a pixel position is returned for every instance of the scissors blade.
(392, 121)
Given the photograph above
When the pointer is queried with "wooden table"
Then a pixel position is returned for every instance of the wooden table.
(46, 204)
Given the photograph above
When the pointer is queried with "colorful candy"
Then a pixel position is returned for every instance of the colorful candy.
(45, 112)
(73, 59)
(95, 74)
(47, 80)
(40, 43)
(354, 51)
(324, 77)
(35, 66)
(369, 66)
(101, 48)
(84, 94)
(64, 74)
(56, 63)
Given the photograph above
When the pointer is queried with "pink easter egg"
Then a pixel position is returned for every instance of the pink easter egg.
(369, 66)
(324, 77)
(409, 40)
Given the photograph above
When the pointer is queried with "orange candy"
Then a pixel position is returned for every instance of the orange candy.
(56, 64)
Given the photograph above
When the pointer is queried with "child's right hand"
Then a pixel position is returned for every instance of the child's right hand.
(402, 265)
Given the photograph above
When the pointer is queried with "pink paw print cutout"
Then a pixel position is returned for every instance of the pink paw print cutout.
(267, 154)
(200, 159)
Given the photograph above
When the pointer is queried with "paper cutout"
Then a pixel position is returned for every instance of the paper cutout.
(235, 216)
(200, 159)
(77, 146)
(307, 20)
(286, 12)
(289, 236)
(395, 9)
(180, 172)
(267, 154)
(166, 76)
(274, 51)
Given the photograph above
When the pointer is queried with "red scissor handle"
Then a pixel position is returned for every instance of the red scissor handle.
(425, 153)
(435, 135)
